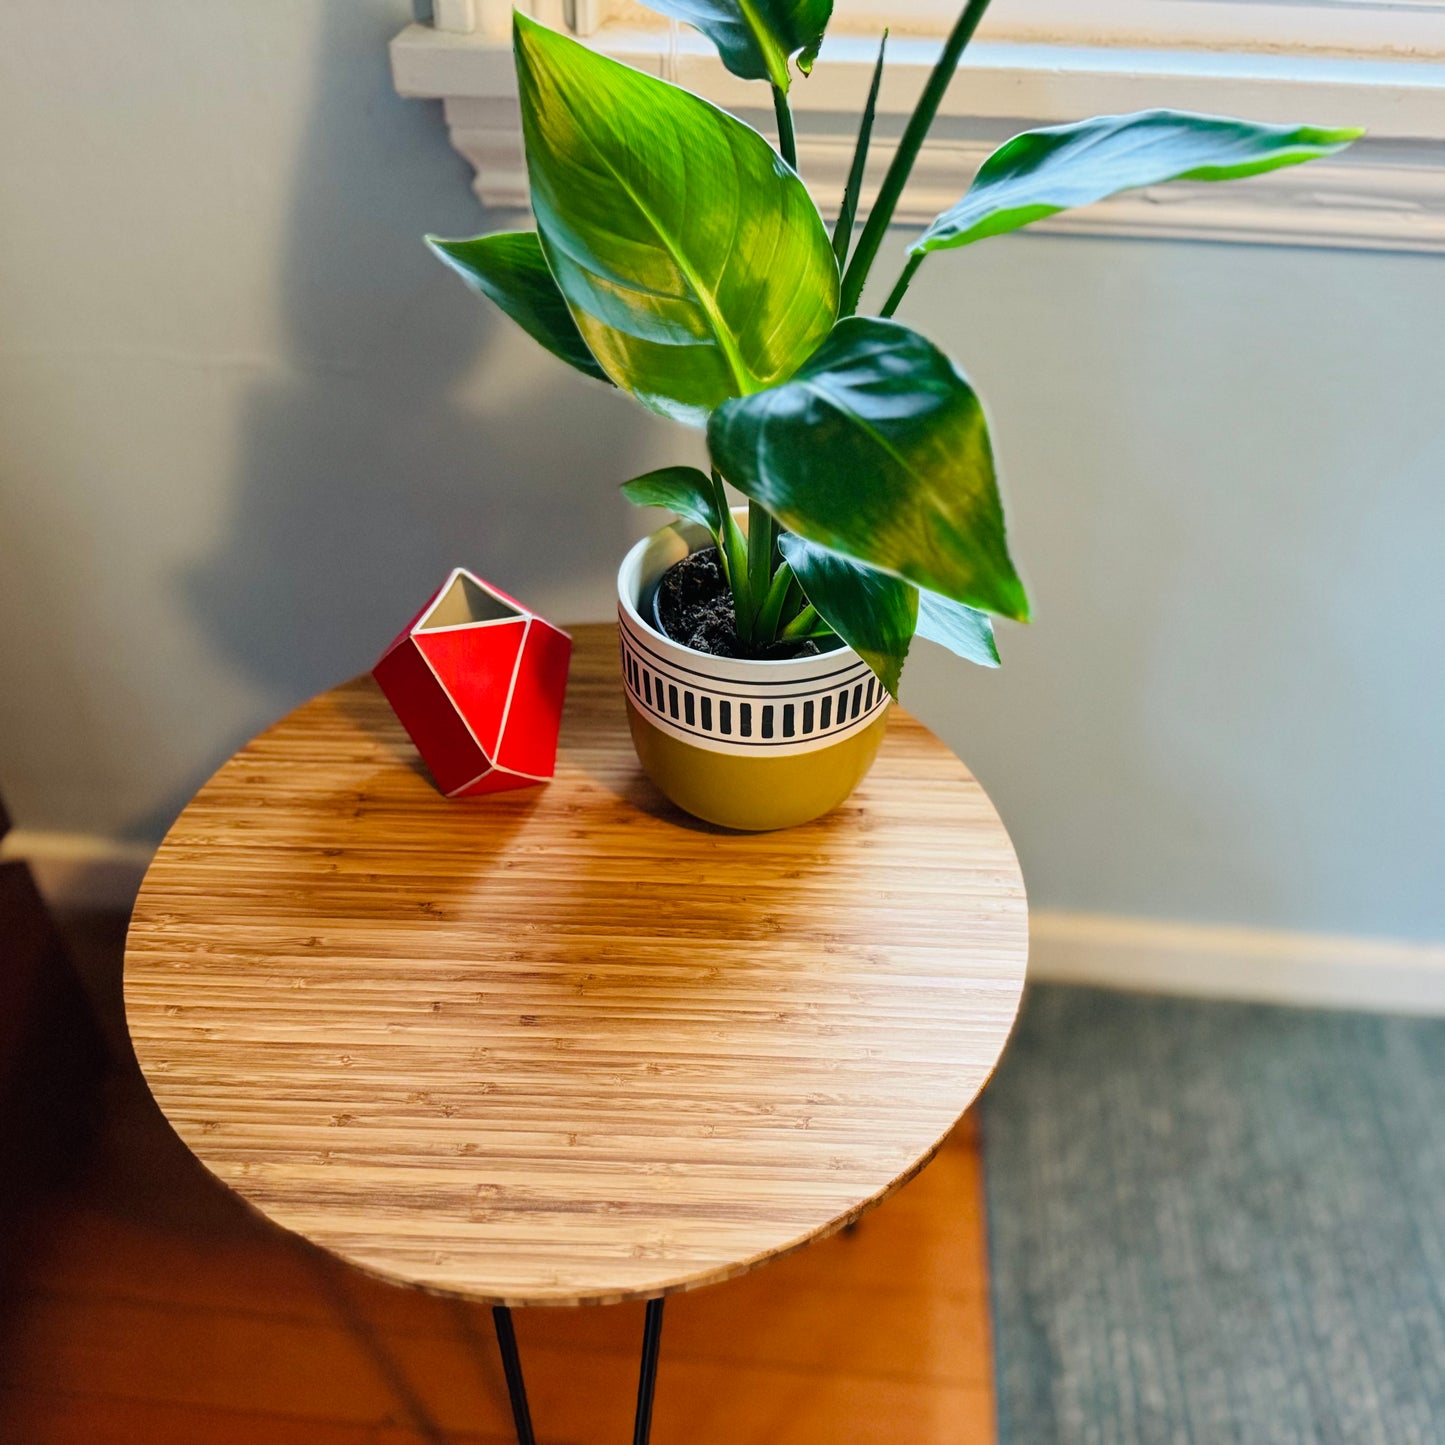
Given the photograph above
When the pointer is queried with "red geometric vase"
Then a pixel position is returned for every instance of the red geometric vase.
(478, 681)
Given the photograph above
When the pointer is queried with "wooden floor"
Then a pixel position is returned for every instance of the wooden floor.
(147, 1305)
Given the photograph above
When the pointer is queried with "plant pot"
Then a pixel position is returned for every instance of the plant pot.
(742, 743)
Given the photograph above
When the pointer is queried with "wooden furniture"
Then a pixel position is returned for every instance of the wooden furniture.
(565, 1045)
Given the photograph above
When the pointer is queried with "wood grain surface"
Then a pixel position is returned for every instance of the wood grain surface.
(566, 1045)
(153, 1308)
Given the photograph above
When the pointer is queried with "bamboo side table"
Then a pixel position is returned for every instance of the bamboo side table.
(565, 1045)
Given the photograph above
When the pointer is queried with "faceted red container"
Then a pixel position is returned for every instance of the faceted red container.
(478, 682)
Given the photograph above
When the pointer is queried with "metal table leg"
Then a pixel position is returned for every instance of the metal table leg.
(512, 1365)
(517, 1386)
(647, 1378)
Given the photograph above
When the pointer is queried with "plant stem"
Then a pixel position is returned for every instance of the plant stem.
(734, 551)
(794, 602)
(843, 230)
(896, 295)
(912, 142)
(787, 141)
(765, 628)
(803, 625)
(762, 541)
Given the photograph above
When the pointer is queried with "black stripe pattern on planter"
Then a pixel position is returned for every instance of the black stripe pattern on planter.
(782, 713)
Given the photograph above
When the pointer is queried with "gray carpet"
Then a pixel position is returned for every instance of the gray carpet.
(1216, 1223)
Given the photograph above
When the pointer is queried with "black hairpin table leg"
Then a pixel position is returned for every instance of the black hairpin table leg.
(647, 1378)
(517, 1387)
(512, 1365)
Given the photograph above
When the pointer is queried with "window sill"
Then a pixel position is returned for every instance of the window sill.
(1385, 193)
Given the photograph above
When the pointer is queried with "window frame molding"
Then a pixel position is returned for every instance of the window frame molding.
(1387, 192)
(1407, 29)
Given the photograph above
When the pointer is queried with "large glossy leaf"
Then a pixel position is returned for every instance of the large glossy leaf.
(1042, 172)
(684, 490)
(693, 259)
(756, 37)
(509, 267)
(964, 631)
(873, 612)
(878, 449)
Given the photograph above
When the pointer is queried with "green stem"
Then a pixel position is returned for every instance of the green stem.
(843, 230)
(762, 541)
(765, 628)
(734, 551)
(803, 625)
(793, 603)
(896, 295)
(907, 152)
(787, 141)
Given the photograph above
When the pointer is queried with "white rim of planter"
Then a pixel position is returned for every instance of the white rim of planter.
(758, 707)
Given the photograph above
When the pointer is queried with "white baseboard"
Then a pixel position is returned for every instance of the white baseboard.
(1261, 964)
(79, 871)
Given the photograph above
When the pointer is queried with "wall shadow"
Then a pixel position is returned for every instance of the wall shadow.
(412, 427)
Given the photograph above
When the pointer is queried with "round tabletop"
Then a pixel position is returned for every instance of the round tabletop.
(566, 1045)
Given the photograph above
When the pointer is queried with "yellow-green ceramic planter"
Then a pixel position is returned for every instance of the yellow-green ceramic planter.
(742, 743)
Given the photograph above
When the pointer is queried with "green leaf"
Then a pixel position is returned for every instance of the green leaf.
(756, 37)
(693, 259)
(683, 490)
(1043, 172)
(510, 268)
(848, 213)
(964, 631)
(871, 611)
(878, 449)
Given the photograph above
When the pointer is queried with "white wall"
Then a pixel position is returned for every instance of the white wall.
(246, 423)
(1226, 467)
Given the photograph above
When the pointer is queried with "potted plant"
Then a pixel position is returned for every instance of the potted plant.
(679, 256)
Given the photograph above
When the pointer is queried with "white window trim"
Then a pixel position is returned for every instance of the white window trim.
(1385, 193)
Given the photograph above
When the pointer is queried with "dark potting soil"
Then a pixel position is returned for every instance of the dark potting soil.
(694, 607)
